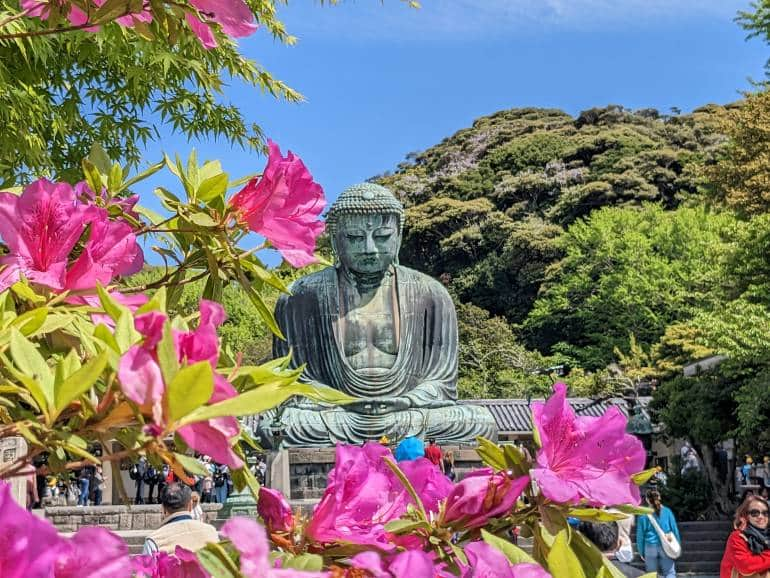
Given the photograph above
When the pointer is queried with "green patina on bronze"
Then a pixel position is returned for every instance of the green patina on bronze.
(376, 330)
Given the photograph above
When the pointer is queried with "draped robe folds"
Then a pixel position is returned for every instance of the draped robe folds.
(424, 371)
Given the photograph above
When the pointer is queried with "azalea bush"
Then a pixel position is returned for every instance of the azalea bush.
(89, 359)
(380, 519)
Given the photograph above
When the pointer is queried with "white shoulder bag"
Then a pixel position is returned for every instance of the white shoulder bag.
(668, 542)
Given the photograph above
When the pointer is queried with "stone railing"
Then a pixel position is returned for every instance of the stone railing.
(116, 518)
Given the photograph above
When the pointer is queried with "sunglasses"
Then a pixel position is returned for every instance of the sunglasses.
(758, 513)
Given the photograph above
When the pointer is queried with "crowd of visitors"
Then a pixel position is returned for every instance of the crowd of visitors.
(214, 487)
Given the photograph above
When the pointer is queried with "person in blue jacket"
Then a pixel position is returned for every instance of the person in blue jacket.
(648, 542)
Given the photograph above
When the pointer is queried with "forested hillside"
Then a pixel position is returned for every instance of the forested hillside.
(563, 239)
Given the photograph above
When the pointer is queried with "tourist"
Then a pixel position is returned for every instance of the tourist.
(764, 493)
(747, 551)
(31, 486)
(433, 453)
(660, 478)
(746, 471)
(83, 485)
(164, 474)
(449, 465)
(178, 527)
(207, 490)
(410, 448)
(766, 472)
(197, 511)
(98, 479)
(648, 540)
(151, 479)
(221, 476)
(136, 472)
(606, 538)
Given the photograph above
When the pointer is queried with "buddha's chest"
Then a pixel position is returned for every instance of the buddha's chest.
(368, 328)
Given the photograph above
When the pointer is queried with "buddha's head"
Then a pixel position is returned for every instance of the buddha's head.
(365, 225)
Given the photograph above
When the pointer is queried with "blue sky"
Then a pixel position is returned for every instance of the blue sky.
(382, 80)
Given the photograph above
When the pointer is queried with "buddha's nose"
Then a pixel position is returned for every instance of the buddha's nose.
(370, 246)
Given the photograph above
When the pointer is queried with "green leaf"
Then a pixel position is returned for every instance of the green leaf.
(110, 306)
(29, 361)
(491, 454)
(202, 220)
(595, 514)
(265, 397)
(30, 321)
(80, 382)
(212, 188)
(100, 160)
(514, 554)
(562, 562)
(243, 478)
(306, 562)
(191, 388)
(157, 303)
(144, 174)
(593, 561)
(535, 433)
(192, 465)
(643, 477)
(634, 510)
(406, 525)
(216, 562)
(115, 180)
(125, 333)
(93, 175)
(25, 292)
(167, 356)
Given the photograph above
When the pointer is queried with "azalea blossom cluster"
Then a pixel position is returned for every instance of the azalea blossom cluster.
(233, 17)
(377, 519)
(81, 341)
(42, 227)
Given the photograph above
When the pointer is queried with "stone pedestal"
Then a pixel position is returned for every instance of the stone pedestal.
(10, 450)
(302, 473)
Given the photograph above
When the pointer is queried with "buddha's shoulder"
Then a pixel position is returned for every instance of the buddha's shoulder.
(426, 282)
(312, 283)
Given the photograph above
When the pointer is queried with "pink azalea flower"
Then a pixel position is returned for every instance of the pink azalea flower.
(284, 205)
(585, 458)
(111, 251)
(40, 228)
(28, 545)
(274, 510)
(414, 563)
(76, 16)
(430, 484)
(183, 564)
(362, 495)
(132, 301)
(481, 496)
(234, 16)
(212, 437)
(485, 561)
(127, 205)
(142, 381)
(250, 539)
(93, 552)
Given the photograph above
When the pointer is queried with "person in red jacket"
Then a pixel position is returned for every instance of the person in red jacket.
(747, 552)
(433, 453)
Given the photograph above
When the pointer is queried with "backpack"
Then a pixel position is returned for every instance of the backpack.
(133, 472)
(149, 475)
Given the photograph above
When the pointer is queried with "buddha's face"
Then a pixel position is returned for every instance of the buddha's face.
(367, 243)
